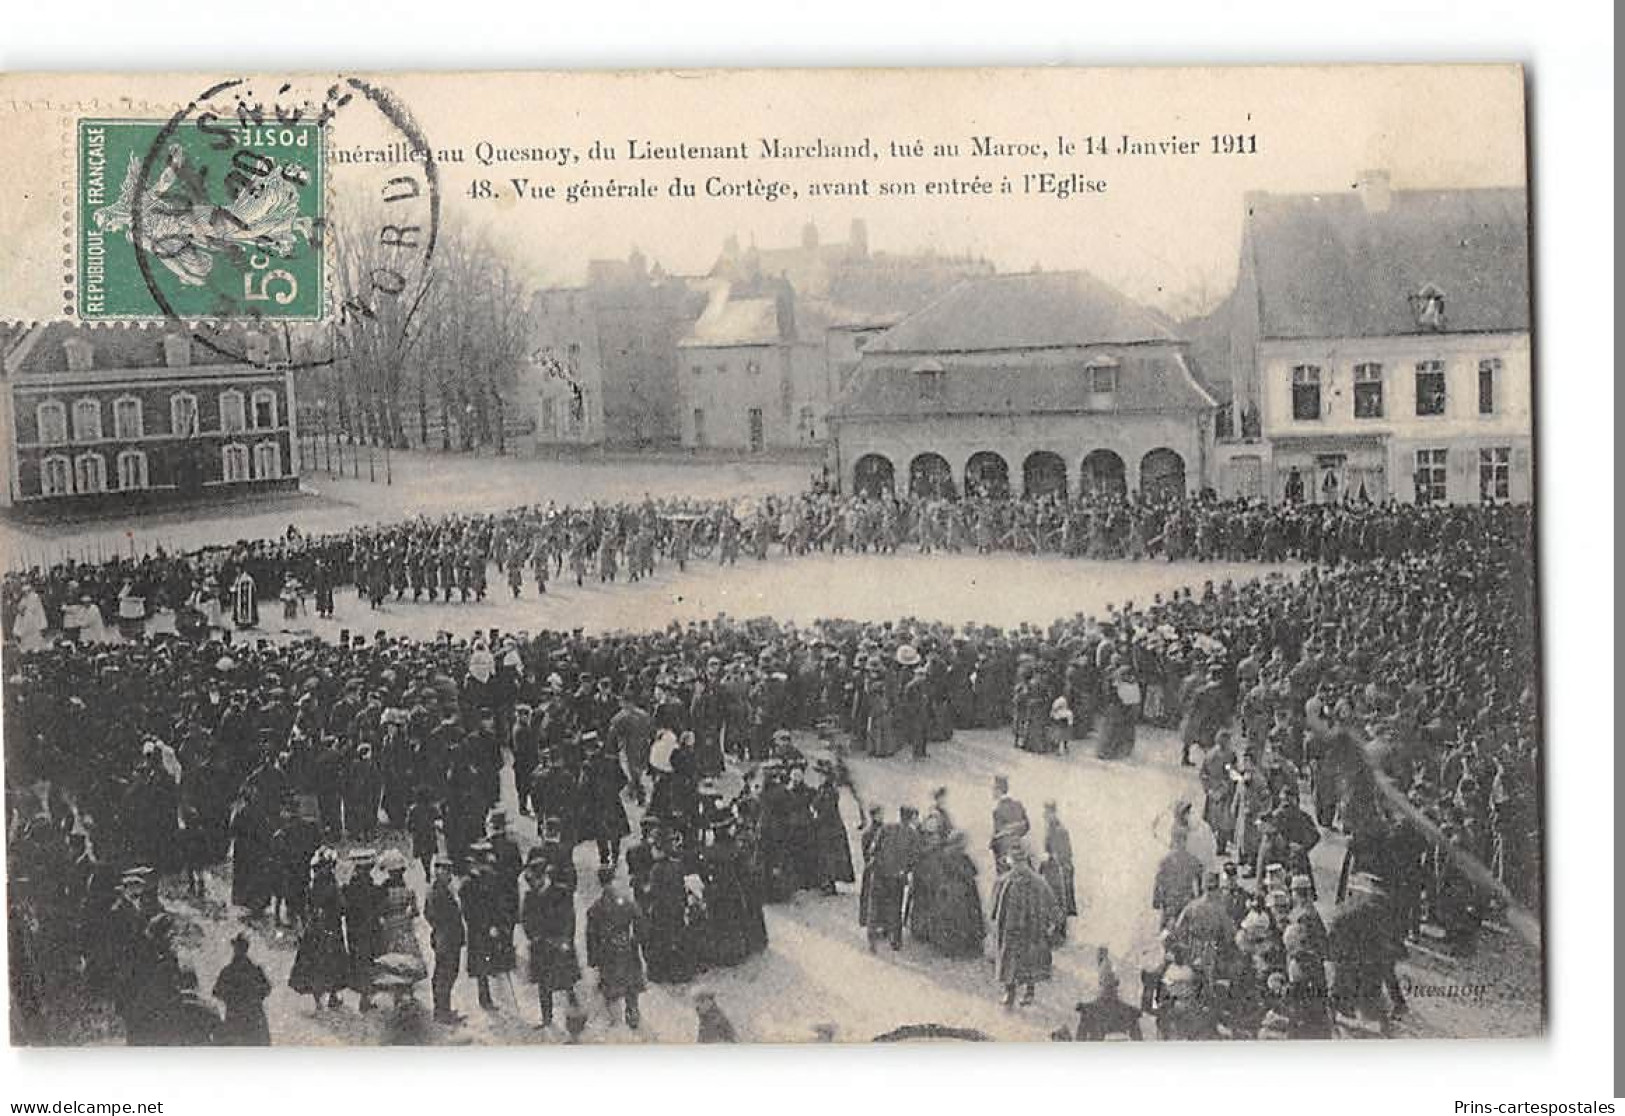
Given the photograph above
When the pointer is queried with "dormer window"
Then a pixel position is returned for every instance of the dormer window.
(177, 350)
(258, 347)
(929, 376)
(1100, 380)
(80, 354)
(1427, 305)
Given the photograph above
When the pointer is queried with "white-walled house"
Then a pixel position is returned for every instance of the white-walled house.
(1389, 333)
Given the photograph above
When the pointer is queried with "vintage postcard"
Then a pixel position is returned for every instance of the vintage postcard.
(769, 557)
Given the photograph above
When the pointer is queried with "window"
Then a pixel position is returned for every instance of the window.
(1489, 373)
(806, 425)
(183, 415)
(928, 375)
(55, 476)
(232, 420)
(722, 370)
(1430, 391)
(699, 426)
(53, 423)
(753, 368)
(1494, 474)
(132, 469)
(90, 473)
(697, 370)
(265, 409)
(1367, 391)
(81, 355)
(127, 417)
(87, 420)
(267, 460)
(1103, 379)
(234, 463)
(1430, 476)
(1306, 393)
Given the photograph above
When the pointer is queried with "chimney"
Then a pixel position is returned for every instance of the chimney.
(1375, 191)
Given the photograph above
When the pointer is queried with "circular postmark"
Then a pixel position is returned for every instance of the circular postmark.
(241, 236)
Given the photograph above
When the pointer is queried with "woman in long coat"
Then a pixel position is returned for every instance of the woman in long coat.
(1057, 866)
(957, 927)
(320, 965)
(243, 986)
(666, 940)
(734, 926)
(1025, 915)
(252, 864)
(548, 913)
(1121, 708)
(832, 852)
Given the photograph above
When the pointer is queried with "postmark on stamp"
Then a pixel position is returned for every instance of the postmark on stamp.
(227, 212)
(232, 216)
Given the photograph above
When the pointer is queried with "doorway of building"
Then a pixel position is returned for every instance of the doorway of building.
(756, 438)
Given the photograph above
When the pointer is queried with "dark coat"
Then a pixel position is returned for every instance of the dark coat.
(833, 850)
(1025, 915)
(363, 903)
(603, 817)
(613, 944)
(243, 986)
(490, 930)
(549, 917)
(444, 913)
(321, 964)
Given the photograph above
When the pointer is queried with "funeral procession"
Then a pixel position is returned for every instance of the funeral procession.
(825, 634)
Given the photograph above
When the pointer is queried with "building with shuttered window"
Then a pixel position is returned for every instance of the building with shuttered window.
(1383, 337)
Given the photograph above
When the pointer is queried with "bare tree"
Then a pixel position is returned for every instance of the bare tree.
(446, 349)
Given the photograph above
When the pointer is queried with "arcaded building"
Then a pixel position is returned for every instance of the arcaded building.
(1031, 383)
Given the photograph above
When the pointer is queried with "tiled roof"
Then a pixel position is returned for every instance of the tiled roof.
(124, 346)
(728, 320)
(1329, 266)
(1151, 378)
(1025, 311)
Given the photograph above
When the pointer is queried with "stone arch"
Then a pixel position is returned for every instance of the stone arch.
(1043, 474)
(929, 474)
(1103, 474)
(1162, 475)
(873, 475)
(987, 474)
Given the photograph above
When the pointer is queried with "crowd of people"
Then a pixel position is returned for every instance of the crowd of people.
(1395, 670)
(458, 557)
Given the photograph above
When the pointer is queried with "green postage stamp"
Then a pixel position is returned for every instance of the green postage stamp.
(199, 218)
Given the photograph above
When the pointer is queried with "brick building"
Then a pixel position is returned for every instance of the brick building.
(132, 415)
(1028, 383)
